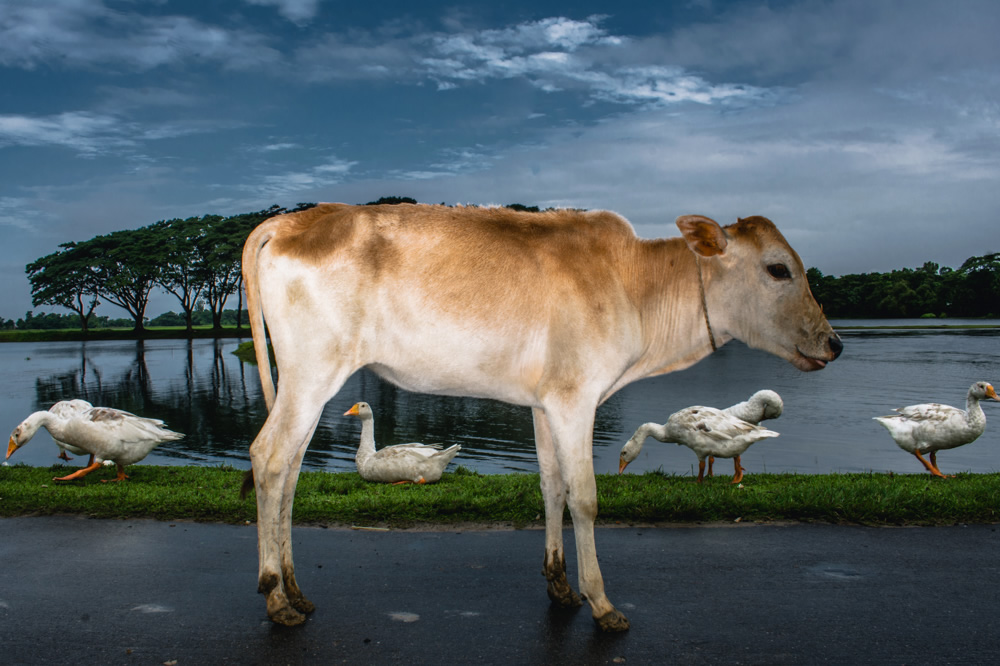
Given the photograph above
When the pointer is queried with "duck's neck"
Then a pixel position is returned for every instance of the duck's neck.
(748, 411)
(656, 430)
(974, 412)
(367, 447)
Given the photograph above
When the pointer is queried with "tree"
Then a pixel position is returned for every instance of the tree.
(220, 250)
(392, 201)
(182, 273)
(126, 265)
(65, 278)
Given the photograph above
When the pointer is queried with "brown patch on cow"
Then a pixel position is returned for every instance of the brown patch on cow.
(267, 582)
(559, 590)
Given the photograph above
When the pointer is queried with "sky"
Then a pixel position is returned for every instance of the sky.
(868, 131)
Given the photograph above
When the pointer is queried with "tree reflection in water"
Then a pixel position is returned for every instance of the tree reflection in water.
(200, 388)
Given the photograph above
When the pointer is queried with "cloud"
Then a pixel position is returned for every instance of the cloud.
(87, 133)
(299, 12)
(20, 214)
(86, 33)
(553, 54)
(286, 184)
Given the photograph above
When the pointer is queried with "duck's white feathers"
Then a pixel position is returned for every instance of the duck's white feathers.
(68, 409)
(109, 434)
(761, 406)
(417, 463)
(725, 428)
(931, 427)
(713, 432)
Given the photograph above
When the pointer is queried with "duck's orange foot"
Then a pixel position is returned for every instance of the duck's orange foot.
(64, 456)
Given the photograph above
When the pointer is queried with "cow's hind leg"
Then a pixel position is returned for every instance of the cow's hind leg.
(572, 436)
(554, 494)
(276, 456)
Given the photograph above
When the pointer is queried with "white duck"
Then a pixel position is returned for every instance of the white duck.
(930, 427)
(106, 433)
(704, 430)
(402, 463)
(67, 408)
(761, 406)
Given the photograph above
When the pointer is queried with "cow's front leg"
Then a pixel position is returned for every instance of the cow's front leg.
(554, 495)
(572, 435)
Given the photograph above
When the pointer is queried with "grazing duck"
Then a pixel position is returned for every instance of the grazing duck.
(930, 427)
(402, 463)
(761, 406)
(106, 433)
(704, 430)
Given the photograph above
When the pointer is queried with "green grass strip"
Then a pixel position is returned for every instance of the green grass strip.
(212, 494)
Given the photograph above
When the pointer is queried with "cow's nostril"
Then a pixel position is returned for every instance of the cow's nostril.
(836, 346)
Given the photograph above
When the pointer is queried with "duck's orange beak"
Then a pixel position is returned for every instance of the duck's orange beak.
(11, 447)
(990, 393)
(622, 465)
(353, 411)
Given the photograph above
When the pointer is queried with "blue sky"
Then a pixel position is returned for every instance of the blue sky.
(868, 131)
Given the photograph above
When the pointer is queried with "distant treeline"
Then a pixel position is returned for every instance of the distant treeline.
(973, 290)
(197, 260)
(52, 321)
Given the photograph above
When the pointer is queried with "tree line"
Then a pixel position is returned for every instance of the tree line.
(197, 260)
(972, 290)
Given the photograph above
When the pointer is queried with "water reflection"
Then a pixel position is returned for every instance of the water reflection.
(200, 388)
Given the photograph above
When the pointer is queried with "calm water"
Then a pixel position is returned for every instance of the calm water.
(201, 389)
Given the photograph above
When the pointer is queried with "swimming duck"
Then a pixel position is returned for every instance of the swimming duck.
(931, 427)
(106, 433)
(706, 431)
(402, 463)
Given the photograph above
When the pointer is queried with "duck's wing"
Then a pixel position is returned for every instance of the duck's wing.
(70, 408)
(408, 451)
(721, 426)
(127, 427)
(929, 413)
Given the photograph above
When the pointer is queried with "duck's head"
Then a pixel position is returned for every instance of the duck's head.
(361, 409)
(629, 453)
(770, 404)
(983, 391)
(25, 431)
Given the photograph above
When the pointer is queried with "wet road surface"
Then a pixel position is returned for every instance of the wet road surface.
(79, 591)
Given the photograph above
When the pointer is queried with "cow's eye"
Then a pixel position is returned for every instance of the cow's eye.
(779, 271)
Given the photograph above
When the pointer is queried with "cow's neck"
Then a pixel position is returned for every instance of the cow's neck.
(669, 290)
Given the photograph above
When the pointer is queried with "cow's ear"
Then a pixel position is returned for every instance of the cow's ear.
(703, 235)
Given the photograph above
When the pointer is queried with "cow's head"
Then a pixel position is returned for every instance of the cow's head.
(756, 291)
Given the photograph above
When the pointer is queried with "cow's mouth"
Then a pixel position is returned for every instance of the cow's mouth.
(807, 363)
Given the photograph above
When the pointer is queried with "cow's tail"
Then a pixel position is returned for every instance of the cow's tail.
(251, 280)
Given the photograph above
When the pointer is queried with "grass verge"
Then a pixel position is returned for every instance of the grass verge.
(212, 494)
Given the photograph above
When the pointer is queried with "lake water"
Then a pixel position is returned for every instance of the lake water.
(200, 388)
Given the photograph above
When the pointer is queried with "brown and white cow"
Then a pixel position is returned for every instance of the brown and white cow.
(554, 311)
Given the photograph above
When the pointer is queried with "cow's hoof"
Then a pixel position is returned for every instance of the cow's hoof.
(562, 594)
(302, 605)
(613, 620)
(287, 616)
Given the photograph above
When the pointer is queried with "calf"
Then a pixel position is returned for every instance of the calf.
(554, 311)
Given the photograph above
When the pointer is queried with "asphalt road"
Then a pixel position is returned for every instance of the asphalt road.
(79, 591)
